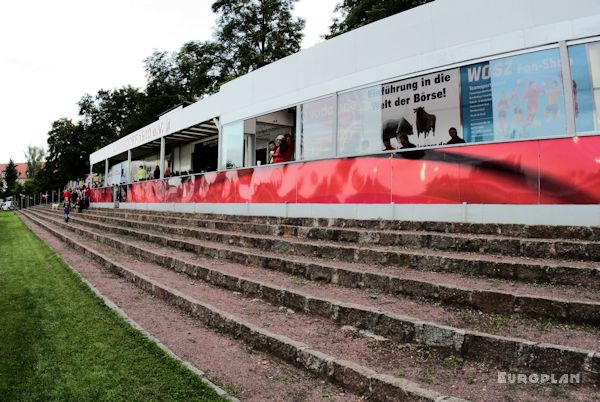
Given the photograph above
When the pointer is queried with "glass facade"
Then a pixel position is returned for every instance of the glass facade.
(232, 146)
(509, 98)
(318, 128)
(585, 72)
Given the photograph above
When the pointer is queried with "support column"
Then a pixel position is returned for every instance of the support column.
(129, 167)
(162, 158)
(105, 172)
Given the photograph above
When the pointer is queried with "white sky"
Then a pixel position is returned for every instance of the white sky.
(53, 52)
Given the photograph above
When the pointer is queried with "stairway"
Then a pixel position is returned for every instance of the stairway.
(381, 309)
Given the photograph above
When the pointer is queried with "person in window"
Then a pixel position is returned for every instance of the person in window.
(271, 150)
(156, 173)
(454, 138)
(405, 142)
(281, 151)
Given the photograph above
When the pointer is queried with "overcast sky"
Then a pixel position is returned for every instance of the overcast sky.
(53, 52)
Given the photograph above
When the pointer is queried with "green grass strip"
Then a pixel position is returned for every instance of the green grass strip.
(59, 342)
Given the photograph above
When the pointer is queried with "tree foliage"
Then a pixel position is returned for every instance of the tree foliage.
(253, 33)
(34, 156)
(357, 13)
(10, 177)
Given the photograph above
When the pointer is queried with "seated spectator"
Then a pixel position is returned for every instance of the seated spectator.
(454, 138)
(387, 145)
(405, 142)
(156, 173)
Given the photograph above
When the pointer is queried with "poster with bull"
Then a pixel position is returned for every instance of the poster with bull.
(424, 108)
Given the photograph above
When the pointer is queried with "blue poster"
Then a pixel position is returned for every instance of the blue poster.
(513, 97)
(476, 103)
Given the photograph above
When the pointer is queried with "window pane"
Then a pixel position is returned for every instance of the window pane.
(232, 145)
(423, 108)
(584, 82)
(359, 121)
(513, 97)
(318, 119)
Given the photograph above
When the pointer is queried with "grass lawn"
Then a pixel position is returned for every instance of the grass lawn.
(59, 342)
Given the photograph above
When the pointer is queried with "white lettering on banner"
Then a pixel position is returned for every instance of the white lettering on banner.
(146, 134)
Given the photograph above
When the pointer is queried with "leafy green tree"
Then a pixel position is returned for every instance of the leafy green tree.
(34, 156)
(68, 152)
(110, 115)
(253, 33)
(357, 13)
(10, 177)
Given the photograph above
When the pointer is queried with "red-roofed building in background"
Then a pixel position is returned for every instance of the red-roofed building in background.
(21, 171)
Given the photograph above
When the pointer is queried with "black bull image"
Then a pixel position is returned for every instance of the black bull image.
(395, 128)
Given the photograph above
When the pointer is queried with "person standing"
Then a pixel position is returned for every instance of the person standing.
(141, 174)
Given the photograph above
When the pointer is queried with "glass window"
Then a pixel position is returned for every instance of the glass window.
(359, 122)
(232, 145)
(274, 136)
(420, 111)
(513, 97)
(318, 123)
(585, 72)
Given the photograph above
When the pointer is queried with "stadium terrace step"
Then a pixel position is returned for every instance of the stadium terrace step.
(568, 304)
(318, 344)
(537, 270)
(586, 233)
(396, 327)
(466, 242)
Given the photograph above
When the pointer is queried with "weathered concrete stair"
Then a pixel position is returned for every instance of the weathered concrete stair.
(555, 271)
(402, 329)
(561, 305)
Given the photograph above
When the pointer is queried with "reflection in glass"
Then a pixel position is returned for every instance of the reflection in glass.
(232, 143)
(359, 121)
(318, 122)
(585, 63)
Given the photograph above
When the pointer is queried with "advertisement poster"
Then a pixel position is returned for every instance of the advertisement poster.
(513, 97)
(423, 108)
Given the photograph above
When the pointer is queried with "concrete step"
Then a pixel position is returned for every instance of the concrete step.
(555, 272)
(568, 249)
(320, 346)
(591, 233)
(563, 303)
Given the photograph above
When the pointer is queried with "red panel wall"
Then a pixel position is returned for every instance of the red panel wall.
(552, 171)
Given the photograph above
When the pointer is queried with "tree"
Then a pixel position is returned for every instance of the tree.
(68, 152)
(253, 33)
(357, 13)
(10, 176)
(34, 157)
